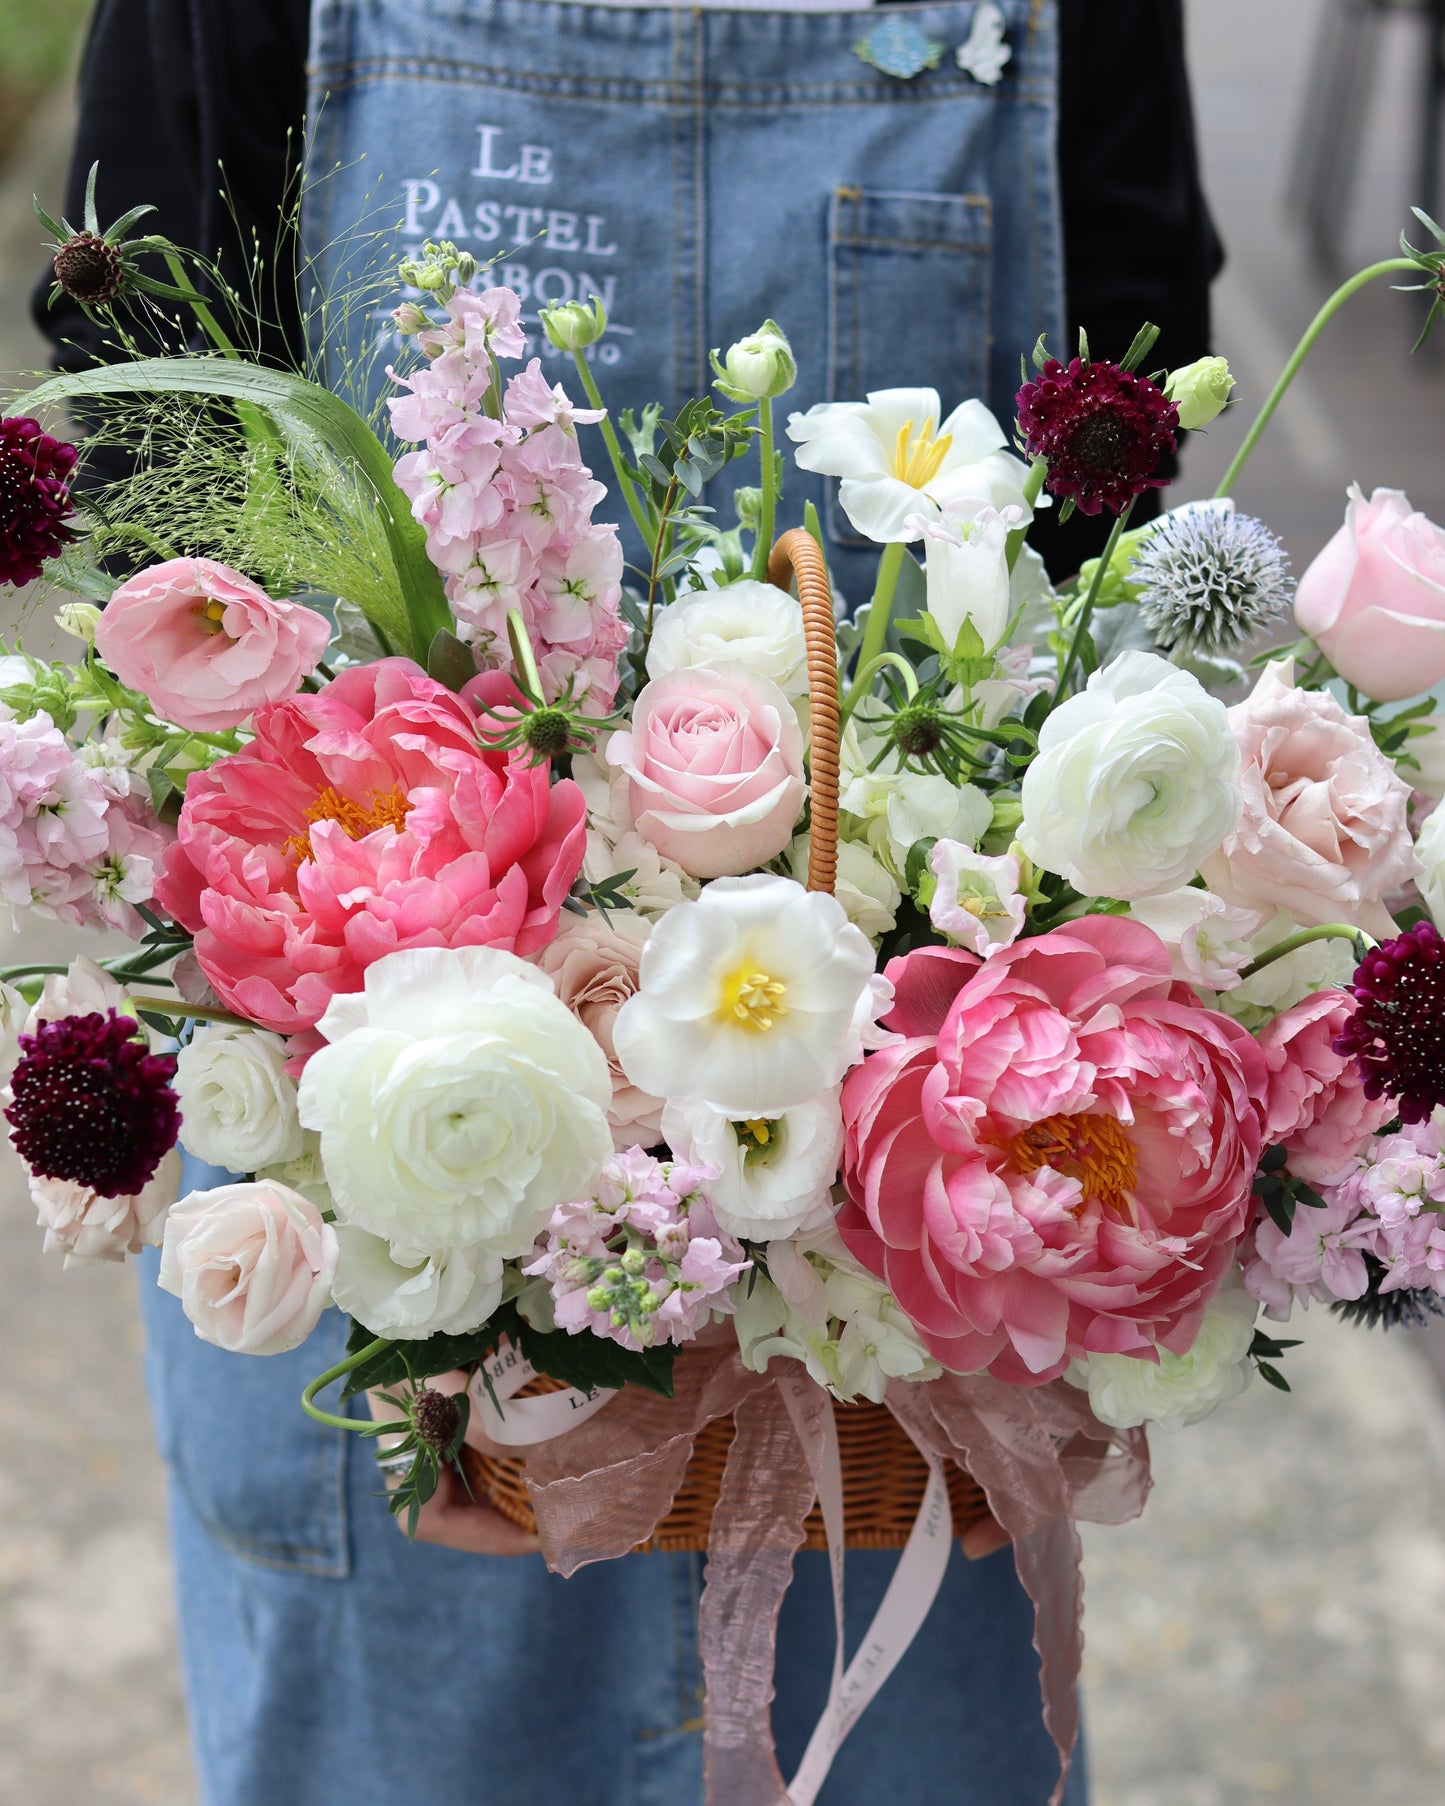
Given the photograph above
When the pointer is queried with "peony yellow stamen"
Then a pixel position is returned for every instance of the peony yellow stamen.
(917, 461)
(1095, 1150)
(357, 819)
(751, 999)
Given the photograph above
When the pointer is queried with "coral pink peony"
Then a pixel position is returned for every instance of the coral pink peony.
(1057, 1160)
(362, 820)
(1316, 1106)
(205, 644)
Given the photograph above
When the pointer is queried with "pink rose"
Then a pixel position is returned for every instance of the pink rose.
(1058, 1158)
(1316, 1106)
(715, 768)
(1324, 832)
(1374, 599)
(362, 820)
(252, 1265)
(205, 644)
(593, 963)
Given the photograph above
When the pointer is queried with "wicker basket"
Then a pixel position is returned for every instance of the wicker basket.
(883, 1474)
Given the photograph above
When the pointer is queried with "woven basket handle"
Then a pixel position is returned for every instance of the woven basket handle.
(797, 555)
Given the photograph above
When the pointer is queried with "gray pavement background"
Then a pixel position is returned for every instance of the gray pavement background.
(1274, 1630)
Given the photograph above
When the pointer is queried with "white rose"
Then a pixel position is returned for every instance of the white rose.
(864, 886)
(1136, 781)
(756, 624)
(1430, 851)
(408, 1294)
(252, 1265)
(460, 1101)
(1125, 1391)
(238, 1102)
(1208, 939)
(775, 1174)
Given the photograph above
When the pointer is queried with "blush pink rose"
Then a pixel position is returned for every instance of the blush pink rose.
(362, 820)
(714, 762)
(1324, 832)
(252, 1265)
(1374, 599)
(1316, 1106)
(205, 644)
(1057, 1158)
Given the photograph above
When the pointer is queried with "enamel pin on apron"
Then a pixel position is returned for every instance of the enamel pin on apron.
(984, 52)
(898, 48)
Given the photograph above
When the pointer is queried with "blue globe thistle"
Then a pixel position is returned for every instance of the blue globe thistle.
(1211, 579)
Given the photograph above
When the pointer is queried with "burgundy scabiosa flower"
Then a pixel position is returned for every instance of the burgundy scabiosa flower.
(93, 1104)
(34, 498)
(1396, 1035)
(1103, 430)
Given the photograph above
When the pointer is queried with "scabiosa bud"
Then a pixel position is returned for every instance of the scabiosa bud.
(34, 498)
(1396, 1035)
(436, 1418)
(1210, 579)
(93, 1104)
(1103, 432)
(89, 269)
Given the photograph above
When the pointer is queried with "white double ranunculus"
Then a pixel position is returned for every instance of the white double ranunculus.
(1136, 781)
(460, 1101)
(408, 1294)
(754, 624)
(238, 1102)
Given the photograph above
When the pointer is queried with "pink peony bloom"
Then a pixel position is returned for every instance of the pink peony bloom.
(363, 820)
(205, 644)
(1057, 1159)
(1316, 1106)
(1374, 599)
(1324, 832)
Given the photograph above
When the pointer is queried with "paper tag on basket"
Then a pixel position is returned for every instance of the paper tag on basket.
(527, 1421)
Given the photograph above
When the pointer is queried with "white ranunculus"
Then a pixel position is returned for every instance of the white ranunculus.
(977, 902)
(775, 1174)
(1430, 851)
(755, 624)
(407, 1293)
(896, 459)
(967, 574)
(1125, 1391)
(238, 1102)
(1135, 783)
(757, 997)
(460, 1101)
(1208, 939)
(864, 885)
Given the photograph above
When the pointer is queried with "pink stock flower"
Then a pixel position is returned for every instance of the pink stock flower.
(363, 820)
(205, 645)
(1057, 1158)
(532, 401)
(1322, 1257)
(1316, 1107)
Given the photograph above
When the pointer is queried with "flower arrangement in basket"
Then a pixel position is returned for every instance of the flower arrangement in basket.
(656, 1014)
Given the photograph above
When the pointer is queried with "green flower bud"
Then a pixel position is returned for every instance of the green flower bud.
(1200, 391)
(80, 620)
(410, 318)
(759, 367)
(634, 1261)
(574, 325)
(749, 504)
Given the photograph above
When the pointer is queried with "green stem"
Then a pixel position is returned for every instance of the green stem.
(357, 1426)
(659, 552)
(614, 451)
(180, 1011)
(522, 653)
(881, 610)
(861, 683)
(1301, 351)
(770, 492)
(1086, 613)
(1033, 483)
(1337, 931)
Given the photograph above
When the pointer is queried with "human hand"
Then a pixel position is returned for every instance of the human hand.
(983, 1538)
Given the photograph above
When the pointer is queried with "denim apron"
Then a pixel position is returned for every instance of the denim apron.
(698, 170)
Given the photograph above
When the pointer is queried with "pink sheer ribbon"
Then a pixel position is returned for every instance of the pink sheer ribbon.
(603, 1483)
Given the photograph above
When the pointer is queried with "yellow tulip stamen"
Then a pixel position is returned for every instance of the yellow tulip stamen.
(918, 460)
(752, 999)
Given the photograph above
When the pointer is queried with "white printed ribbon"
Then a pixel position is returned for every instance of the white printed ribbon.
(527, 1421)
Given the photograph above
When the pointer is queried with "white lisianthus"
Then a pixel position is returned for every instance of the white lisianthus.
(896, 459)
(1208, 939)
(967, 574)
(754, 999)
(756, 624)
(1135, 783)
(238, 1102)
(460, 1101)
(775, 1174)
(408, 1293)
(1125, 1391)
(1284, 982)
(977, 902)
(893, 809)
(864, 886)
(1430, 851)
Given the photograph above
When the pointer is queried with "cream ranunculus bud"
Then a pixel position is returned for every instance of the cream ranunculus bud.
(758, 368)
(574, 325)
(79, 619)
(1200, 391)
(238, 1102)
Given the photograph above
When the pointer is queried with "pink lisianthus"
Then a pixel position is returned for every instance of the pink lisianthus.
(593, 963)
(1057, 1159)
(1316, 1106)
(362, 820)
(206, 645)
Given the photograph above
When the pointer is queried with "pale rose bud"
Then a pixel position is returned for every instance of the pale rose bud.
(1200, 391)
(574, 325)
(79, 619)
(759, 367)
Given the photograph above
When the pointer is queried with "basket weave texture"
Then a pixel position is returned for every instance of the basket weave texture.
(883, 1474)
